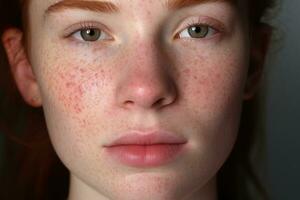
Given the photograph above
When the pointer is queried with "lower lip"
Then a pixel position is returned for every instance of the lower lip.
(145, 155)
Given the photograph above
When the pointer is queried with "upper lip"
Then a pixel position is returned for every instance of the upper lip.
(147, 138)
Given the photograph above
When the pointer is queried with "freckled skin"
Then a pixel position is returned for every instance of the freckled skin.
(143, 79)
(71, 89)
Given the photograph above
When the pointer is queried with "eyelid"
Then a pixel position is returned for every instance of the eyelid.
(201, 20)
(86, 25)
(210, 33)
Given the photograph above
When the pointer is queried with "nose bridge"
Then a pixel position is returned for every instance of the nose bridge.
(146, 82)
(149, 59)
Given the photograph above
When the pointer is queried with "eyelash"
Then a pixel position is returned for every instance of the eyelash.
(210, 29)
(77, 28)
(212, 25)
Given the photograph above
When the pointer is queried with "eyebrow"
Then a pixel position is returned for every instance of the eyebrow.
(108, 7)
(177, 4)
(97, 6)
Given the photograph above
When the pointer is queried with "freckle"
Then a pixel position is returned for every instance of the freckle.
(82, 70)
(77, 108)
(69, 84)
(62, 76)
(71, 75)
(80, 91)
(186, 71)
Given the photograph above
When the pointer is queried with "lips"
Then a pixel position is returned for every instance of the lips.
(139, 138)
(138, 149)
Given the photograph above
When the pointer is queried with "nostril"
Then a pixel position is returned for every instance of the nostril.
(128, 103)
(159, 102)
(146, 93)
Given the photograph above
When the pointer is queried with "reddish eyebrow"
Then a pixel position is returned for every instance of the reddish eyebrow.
(176, 4)
(97, 6)
(108, 7)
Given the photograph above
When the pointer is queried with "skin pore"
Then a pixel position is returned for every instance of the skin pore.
(145, 72)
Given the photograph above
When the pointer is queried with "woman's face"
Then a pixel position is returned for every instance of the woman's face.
(152, 66)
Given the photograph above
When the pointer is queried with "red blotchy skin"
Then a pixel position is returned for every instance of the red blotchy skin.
(77, 89)
(73, 84)
(71, 91)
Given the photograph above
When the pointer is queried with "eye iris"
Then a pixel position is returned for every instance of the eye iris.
(198, 31)
(90, 34)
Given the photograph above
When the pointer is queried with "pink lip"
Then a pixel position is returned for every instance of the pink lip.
(139, 138)
(146, 150)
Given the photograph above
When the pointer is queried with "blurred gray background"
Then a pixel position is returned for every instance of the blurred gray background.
(283, 104)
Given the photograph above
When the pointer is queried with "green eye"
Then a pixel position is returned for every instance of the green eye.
(198, 31)
(90, 34)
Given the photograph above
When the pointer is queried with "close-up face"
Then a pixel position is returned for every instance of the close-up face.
(105, 70)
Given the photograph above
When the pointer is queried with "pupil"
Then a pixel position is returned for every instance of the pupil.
(198, 31)
(90, 34)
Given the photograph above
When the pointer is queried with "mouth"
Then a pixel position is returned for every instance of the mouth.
(146, 149)
(140, 138)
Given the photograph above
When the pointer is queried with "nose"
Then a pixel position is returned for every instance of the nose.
(147, 82)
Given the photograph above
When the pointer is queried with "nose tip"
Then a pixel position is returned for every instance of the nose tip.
(147, 87)
(147, 81)
(148, 95)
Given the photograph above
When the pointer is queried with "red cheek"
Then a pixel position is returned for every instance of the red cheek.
(77, 90)
(70, 91)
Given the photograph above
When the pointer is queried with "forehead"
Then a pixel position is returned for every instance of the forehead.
(115, 5)
(44, 7)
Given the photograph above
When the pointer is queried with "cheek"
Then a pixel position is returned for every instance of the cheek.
(75, 90)
(70, 92)
(213, 84)
(212, 87)
(211, 79)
